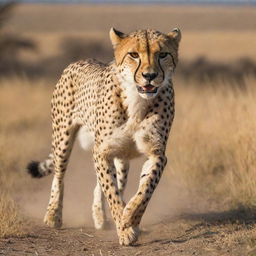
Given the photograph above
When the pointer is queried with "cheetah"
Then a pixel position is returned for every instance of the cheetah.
(120, 110)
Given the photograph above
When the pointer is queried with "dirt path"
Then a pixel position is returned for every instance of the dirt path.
(188, 235)
(169, 226)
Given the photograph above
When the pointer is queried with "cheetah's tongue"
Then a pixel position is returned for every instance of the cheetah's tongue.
(147, 89)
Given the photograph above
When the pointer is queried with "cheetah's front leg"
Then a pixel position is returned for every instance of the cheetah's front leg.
(98, 206)
(150, 176)
(106, 176)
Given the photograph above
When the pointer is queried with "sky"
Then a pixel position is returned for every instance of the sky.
(140, 1)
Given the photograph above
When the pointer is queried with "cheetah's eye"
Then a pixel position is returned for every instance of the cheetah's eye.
(134, 55)
(162, 55)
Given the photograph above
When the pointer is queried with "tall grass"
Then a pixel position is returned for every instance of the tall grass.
(10, 221)
(213, 144)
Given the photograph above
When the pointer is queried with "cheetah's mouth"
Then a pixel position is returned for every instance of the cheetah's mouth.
(149, 88)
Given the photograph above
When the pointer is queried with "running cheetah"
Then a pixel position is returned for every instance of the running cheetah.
(121, 110)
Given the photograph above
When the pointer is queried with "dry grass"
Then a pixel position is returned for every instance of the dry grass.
(213, 144)
(24, 111)
(10, 221)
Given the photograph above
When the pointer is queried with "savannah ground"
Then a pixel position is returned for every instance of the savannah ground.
(205, 202)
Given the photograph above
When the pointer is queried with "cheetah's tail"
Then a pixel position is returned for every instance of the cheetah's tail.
(41, 169)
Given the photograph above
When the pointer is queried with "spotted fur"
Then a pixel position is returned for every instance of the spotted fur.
(121, 109)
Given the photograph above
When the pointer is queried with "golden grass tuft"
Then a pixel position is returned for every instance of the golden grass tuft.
(10, 220)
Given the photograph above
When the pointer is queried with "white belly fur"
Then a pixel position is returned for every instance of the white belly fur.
(120, 143)
(86, 138)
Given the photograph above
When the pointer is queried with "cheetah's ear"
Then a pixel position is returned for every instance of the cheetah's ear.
(175, 34)
(116, 36)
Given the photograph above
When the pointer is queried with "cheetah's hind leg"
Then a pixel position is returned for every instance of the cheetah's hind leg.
(63, 140)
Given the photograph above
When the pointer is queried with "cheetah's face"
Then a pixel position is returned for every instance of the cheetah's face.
(146, 58)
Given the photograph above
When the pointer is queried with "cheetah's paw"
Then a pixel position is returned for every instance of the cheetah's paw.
(53, 220)
(128, 236)
(98, 217)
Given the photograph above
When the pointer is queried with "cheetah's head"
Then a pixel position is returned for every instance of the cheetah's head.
(146, 59)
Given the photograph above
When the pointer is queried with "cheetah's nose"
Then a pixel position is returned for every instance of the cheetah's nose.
(149, 76)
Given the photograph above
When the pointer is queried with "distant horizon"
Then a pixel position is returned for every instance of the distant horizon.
(177, 2)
